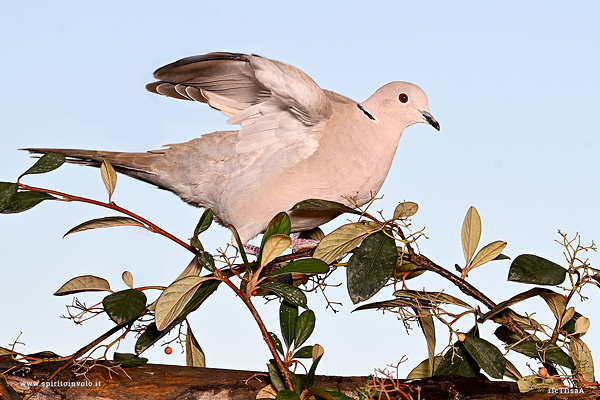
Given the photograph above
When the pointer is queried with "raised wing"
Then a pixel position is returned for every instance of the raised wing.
(276, 104)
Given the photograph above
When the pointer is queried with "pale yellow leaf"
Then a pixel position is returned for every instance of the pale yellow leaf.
(104, 222)
(471, 232)
(486, 254)
(556, 302)
(341, 241)
(536, 382)
(423, 371)
(582, 357)
(274, 246)
(317, 352)
(128, 279)
(511, 372)
(193, 269)
(567, 316)
(109, 177)
(582, 324)
(194, 356)
(4, 352)
(84, 283)
(268, 392)
(174, 298)
(406, 209)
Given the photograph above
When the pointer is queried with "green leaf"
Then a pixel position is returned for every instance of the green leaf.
(273, 247)
(544, 351)
(310, 378)
(371, 266)
(174, 298)
(501, 257)
(240, 246)
(528, 268)
(205, 221)
(105, 222)
(457, 361)
(194, 356)
(307, 266)
(304, 352)
(125, 360)
(276, 342)
(506, 335)
(298, 384)
(151, 335)
(276, 380)
(487, 356)
(324, 205)
(84, 283)
(305, 324)
(206, 260)
(8, 191)
(406, 210)
(285, 394)
(109, 177)
(125, 306)
(26, 200)
(432, 297)
(288, 315)
(556, 302)
(289, 293)
(328, 394)
(341, 241)
(46, 163)
(471, 233)
(193, 269)
(513, 300)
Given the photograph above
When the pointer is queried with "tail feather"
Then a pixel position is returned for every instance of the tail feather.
(136, 165)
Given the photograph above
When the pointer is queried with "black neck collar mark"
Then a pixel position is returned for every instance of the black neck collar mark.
(368, 114)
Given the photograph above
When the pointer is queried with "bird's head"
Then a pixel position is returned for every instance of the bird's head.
(401, 103)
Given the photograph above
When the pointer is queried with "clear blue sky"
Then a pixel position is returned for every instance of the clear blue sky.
(514, 86)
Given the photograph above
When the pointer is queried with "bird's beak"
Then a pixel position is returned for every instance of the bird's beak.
(430, 120)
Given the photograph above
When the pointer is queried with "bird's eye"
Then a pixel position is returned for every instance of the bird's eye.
(403, 98)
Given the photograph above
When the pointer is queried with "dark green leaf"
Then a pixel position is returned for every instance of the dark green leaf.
(324, 205)
(428, 328)
(206, 260)
(528, 268)
(276, 342)
(501, 257)
(305, 324)
(544, 351)
(276, 380)
(304, 352)
(125, 360)
(287, 292)
(304, 266)
(205, 221)
(124, 306)
(285, 394)
(457, 361)
(288, 315)
(240, 246)
(371, 266)
(506, 335)
(8, 191)
(310, 378)
(194, 356)
(298, 384)
(46, 163)
(488, 357)
(25, 200)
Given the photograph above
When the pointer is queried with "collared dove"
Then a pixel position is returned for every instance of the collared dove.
(297, 141)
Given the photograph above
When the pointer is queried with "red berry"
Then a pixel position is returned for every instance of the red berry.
(543, 372)
(168, 350)
(461, 337)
